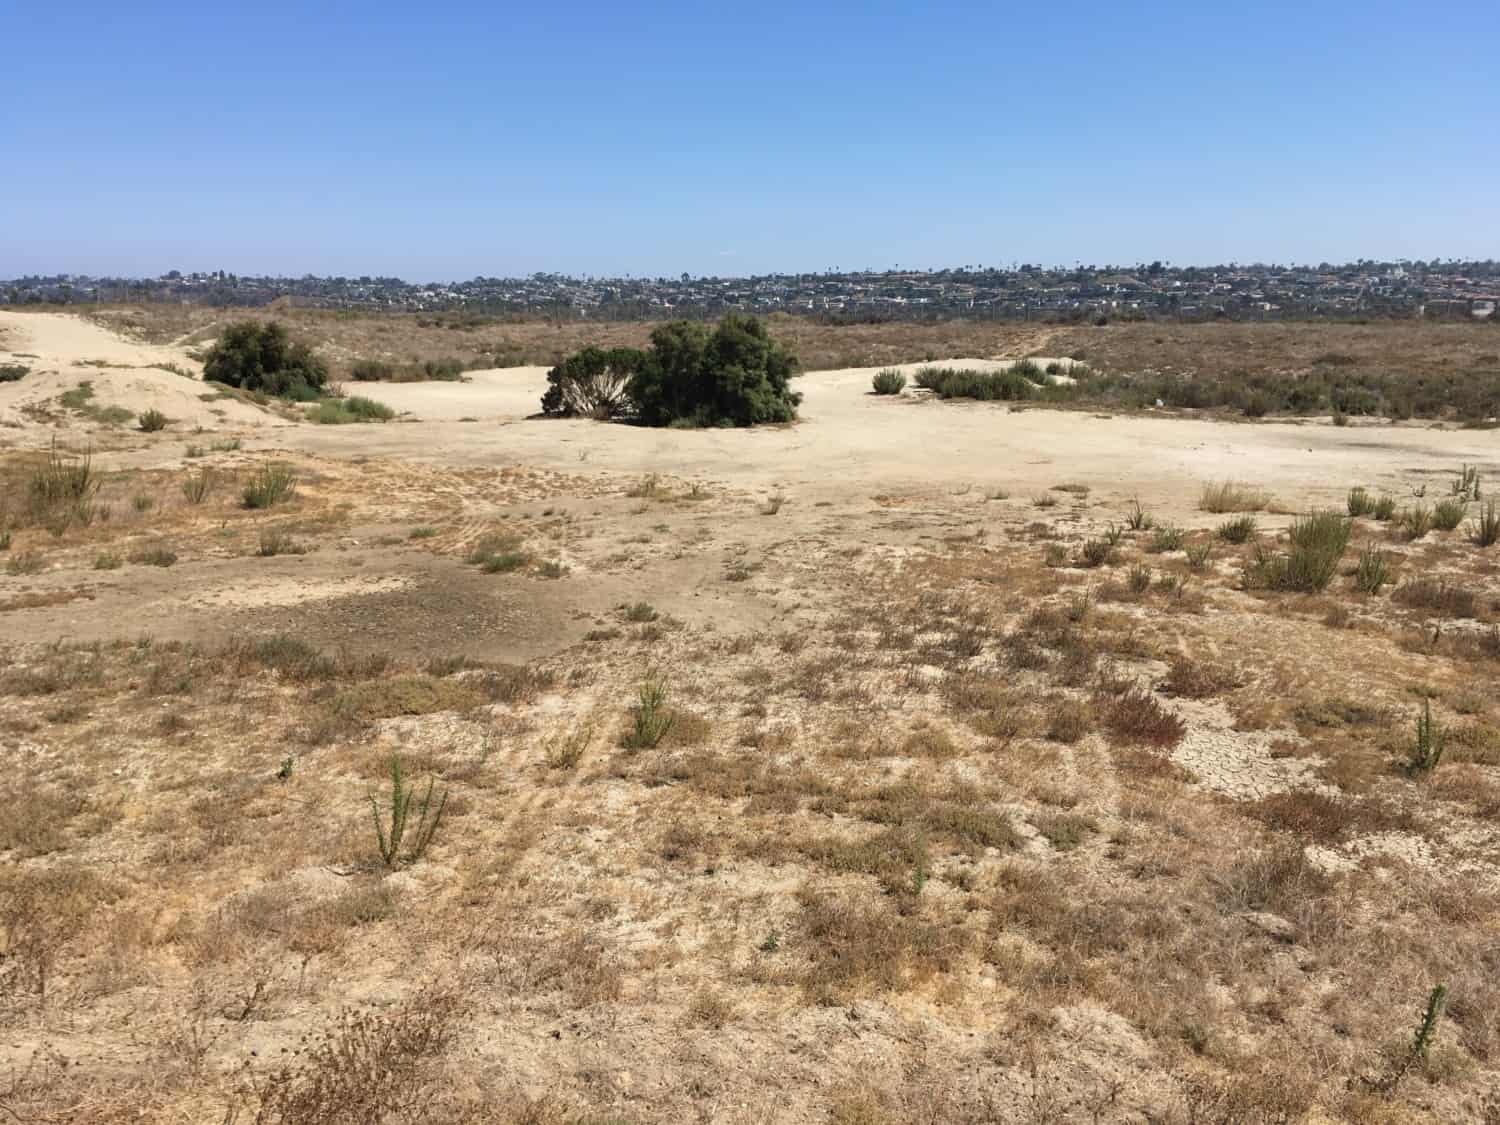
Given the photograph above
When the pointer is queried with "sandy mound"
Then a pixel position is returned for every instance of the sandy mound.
(66, 353)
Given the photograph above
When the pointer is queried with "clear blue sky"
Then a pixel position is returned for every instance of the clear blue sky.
(448, 140)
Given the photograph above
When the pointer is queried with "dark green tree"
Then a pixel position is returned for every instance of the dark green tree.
(261, 357)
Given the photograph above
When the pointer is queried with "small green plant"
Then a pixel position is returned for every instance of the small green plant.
(1485, 531)
(270, 485)
(284, 771)
(1198, 555)
(651, 718)
(106, 560)
(1139, 578)
(552, 569)
(770, 943)
(143, 501)
(1416, 521)
(227, 445)
(1113, 535)
(1421, 1041)
(391, 835)
(1095, 552)
(640, 612)
(193, 451)
(1044, 500)
(1466, 487)
(1167, 537)
(1237, 530)
(422, 533)
(197, 485)
(152, 420)
(888, 382)
(1137, 518)
(1448, 514)
(1383, 508)
(1372, 571)
(1055, 555)
(5, 539)
(1317, 540)
(355, 408)
(1360, 503)
(1426, 750)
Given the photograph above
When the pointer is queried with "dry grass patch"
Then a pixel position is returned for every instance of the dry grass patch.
(406, 695)
(1232, 496)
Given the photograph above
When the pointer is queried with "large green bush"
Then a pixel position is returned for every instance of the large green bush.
(261, 357)
(735, 375)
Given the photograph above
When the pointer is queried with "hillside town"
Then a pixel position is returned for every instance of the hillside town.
(1440, 289)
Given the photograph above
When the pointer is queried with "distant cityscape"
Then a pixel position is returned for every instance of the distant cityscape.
(1447, 289)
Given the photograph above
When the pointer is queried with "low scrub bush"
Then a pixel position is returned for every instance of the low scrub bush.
(1138, 716)
(1360, 503)
(1416, 521)
(391, 834)
(1372, 572)
(1317, 545)
(1231, 496)
(651, 717)
(1095, 552)
(1238, 530)
(1167, 537)
(197, 485)
(1448, 514)
(888, 382)
(342, 411)
(1485, 531)
(1383, 508)
(986, 386)
(269, 485)
(263, 358)
(151, 421)
(1435, 594)
(1426, 749)
(735, 375)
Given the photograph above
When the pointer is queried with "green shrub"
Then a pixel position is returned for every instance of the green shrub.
(197, 485)
(1383, 508)
(888, 382)
(1416, 521)
(261, 357)
(498, 553)
(1426, 750)
(651, 718)
(341, 411)
(62, 488)
(1137, 518)
(10, 372)
(1167, 537)
(270, 485)
(735, 375)
(1485, 531)
(1238, 530)
(986, 386)
(1198, 555)
(152, 420)
(1372, 571)
(370, 371)
(1360, 503)
(1317, 543)
(389, 839)
(593, 383)
(1448, 514)
(1095, 552)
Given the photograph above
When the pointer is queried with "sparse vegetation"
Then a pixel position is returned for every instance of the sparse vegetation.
(888, 382)
(651, 718)
(355, 408)
(1427, 745)
(1447, 514)
(1238, 530)
(269, 485)
(1485, 531)
(1372, 572)
(196, 486)
(1317, 545)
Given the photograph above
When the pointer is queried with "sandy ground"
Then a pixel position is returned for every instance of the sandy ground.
(659, 934)
(64, 351)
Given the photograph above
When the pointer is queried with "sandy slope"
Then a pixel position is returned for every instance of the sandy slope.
(64, 351)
